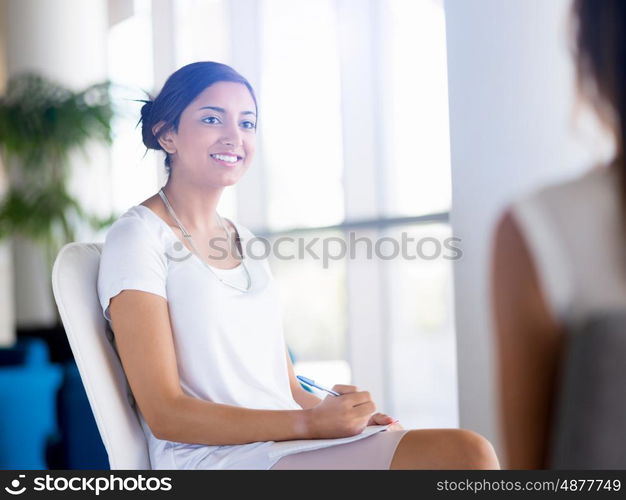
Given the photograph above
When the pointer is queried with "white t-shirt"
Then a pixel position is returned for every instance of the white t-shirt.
(229, 344)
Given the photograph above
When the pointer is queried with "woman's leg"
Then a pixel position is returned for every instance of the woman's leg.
(401, 449)
(444, 449)
(370, 453)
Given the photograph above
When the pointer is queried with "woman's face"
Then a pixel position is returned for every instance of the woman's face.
(216, 136)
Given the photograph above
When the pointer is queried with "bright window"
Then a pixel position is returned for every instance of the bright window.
(134, 177)
(302, 139)
(300, 119)
(418, 149)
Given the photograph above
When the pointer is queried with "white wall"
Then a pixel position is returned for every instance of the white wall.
(3, 45)
(511, 94)
(7, 313)
(66, 41)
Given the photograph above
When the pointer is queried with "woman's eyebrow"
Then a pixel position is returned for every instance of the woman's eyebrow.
(222, 110)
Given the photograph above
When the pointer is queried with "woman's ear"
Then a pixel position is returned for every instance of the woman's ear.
(166, 140)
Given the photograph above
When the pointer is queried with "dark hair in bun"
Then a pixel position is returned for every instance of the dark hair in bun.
(180, 89)
(149, 139)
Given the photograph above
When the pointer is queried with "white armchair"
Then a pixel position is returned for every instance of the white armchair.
(74, 279)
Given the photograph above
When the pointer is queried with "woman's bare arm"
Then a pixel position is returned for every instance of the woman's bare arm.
(140, 321)
(528, 342)
(303, 397)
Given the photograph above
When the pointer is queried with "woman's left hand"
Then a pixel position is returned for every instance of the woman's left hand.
(382, 419)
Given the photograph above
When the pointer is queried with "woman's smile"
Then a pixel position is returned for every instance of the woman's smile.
(226, 159)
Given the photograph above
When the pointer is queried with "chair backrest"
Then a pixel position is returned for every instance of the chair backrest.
(589, 425)
(74, 283)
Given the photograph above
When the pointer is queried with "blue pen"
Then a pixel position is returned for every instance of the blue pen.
(312, 383)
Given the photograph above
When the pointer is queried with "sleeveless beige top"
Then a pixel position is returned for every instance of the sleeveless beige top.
(573, 232)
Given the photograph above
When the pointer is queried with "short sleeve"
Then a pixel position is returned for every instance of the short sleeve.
(132, 259)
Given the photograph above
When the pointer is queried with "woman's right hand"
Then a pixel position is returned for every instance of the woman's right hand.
(341, 416)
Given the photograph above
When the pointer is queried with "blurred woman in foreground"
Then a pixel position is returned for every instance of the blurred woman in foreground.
(560, 253)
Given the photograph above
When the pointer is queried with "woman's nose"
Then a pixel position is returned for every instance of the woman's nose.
(232, 136)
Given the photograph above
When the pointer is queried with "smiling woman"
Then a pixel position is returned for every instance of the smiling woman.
(204, 121)
(226, 134)
(201, 339)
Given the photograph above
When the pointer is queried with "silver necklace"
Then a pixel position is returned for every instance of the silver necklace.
(187, 236)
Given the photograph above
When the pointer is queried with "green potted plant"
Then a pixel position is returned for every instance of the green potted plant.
(41, 124)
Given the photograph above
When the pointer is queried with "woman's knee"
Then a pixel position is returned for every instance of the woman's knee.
(477, 451)
(444, 449)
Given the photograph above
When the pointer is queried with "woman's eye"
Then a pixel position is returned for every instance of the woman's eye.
(211, 118)
(247, 124)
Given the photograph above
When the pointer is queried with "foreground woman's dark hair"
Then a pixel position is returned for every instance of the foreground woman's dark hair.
(600, 56)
